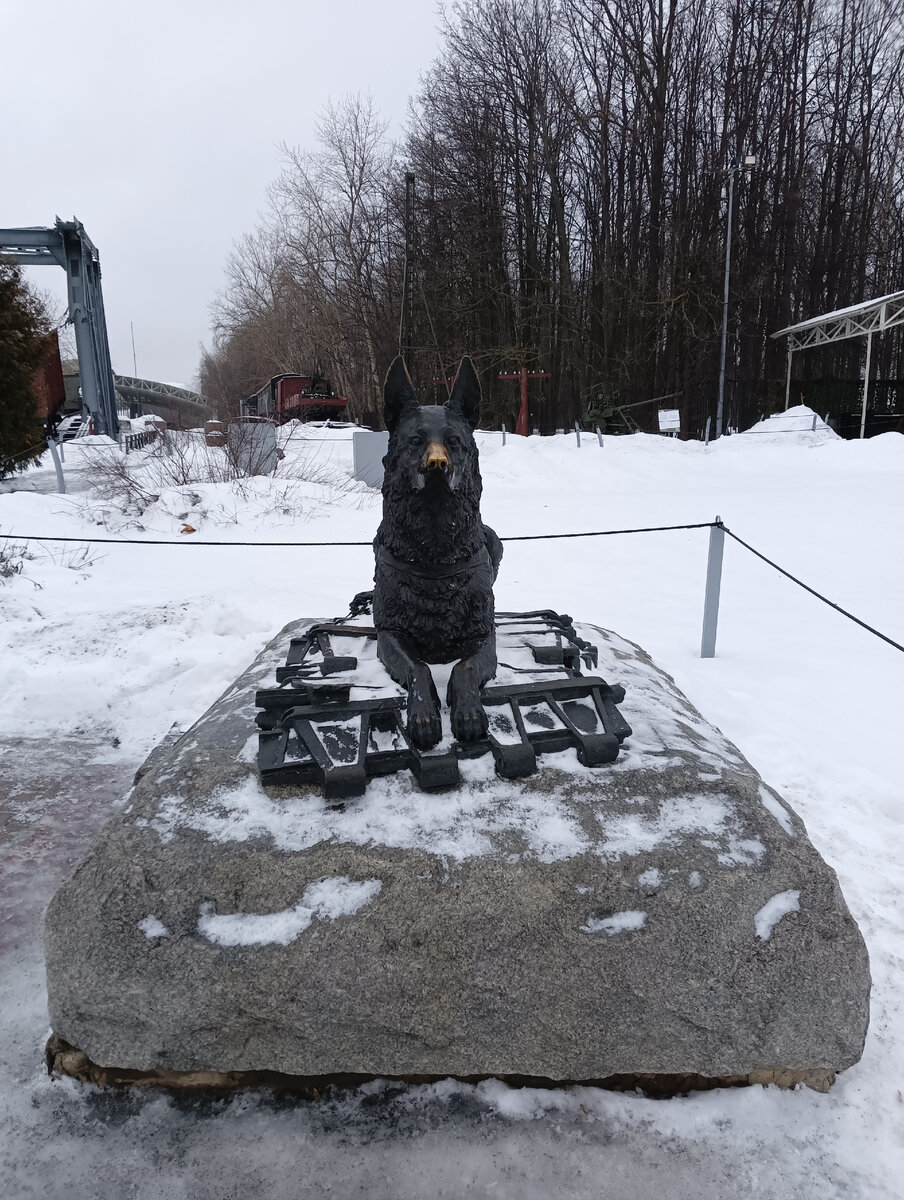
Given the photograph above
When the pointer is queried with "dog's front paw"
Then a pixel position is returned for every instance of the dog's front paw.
(425, 726)
(469, 721)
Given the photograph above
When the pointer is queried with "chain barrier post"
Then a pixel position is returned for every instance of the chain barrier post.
(577, 433)
(61, 482)
(599, 434)
(503, 433)
(713, 588)
(706, 438)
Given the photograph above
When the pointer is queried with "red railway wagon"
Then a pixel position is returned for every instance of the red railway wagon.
(295, 397)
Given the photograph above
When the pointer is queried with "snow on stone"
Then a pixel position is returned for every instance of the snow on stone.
(326, 898)
(772, 912)
(151, 927)
(743, 852)
(679, 817)
(777, 809)
(694, 879)
(620, 922)
(650, 878)
(467, 822)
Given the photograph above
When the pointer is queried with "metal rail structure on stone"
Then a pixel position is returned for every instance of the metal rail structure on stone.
(335, 718)
(68, 246)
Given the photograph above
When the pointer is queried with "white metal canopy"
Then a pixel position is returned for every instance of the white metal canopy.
(872, 316)
(859, 320)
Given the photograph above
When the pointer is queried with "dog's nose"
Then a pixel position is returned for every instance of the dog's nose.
(436, 456)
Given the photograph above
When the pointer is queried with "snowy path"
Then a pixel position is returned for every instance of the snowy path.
(100, 658)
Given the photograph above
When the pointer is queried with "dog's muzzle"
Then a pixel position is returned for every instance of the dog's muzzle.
(435, 463)
(436, 458)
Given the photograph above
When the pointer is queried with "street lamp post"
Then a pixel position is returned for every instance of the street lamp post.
(746, 164)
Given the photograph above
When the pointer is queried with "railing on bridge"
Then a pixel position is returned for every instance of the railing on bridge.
(135, 441)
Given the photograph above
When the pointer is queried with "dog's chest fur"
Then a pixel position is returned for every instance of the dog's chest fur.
(445, 618)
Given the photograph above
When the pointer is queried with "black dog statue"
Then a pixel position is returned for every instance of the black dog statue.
(435, 559)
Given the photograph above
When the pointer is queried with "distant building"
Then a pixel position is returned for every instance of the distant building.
(48, 384)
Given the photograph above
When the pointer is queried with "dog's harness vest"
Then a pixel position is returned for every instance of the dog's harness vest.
(437, 571)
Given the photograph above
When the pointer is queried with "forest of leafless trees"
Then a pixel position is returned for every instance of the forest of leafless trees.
(571, 161)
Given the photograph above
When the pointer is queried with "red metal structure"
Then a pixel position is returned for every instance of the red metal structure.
(295, 397)
(522, 425)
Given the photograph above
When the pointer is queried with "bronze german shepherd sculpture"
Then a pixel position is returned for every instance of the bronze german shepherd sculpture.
(435, 559)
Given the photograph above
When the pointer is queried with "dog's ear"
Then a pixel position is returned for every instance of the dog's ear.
(465, 397)
(398, 393)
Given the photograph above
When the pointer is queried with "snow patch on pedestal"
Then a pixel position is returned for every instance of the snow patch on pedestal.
(151, 927)
(650, 878)
(620, 922)
(777, 809)
(772, 912)
(327, 898)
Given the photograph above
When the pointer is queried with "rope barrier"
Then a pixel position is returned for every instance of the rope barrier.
(187, 538)
(31, 449)
(812, 591)
(545, 537)
(528, 537)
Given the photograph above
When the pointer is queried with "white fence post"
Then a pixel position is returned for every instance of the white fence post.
(713, 587)
(61, 482)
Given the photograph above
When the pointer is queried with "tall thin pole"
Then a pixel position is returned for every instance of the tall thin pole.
(788, 377)
(721, 402)
(134, 359)
(869, 351)
(408, 291)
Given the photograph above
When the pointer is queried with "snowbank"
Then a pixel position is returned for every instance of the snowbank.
(797, 420)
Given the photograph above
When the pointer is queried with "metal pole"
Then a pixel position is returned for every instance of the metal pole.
(577, 433)
(706, 436)
(522, 416)
(869, 351)
(721, 401)
(61, 482)
(599, 434)
(408, 296)
(134, 358)
(713, 586)
(503, 433)
(788, 378)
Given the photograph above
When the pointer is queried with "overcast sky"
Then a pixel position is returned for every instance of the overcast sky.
(156, 123)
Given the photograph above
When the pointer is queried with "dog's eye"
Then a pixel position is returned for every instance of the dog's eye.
(453, 443)
(416, 440)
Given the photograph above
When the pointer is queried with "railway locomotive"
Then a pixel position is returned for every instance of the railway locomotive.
(295, 397)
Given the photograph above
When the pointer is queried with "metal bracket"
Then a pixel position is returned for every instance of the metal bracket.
(314, 732)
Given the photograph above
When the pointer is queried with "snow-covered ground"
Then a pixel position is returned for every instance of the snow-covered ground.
(103, 648)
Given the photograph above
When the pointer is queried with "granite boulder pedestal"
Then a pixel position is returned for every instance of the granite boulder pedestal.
(661, 920)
